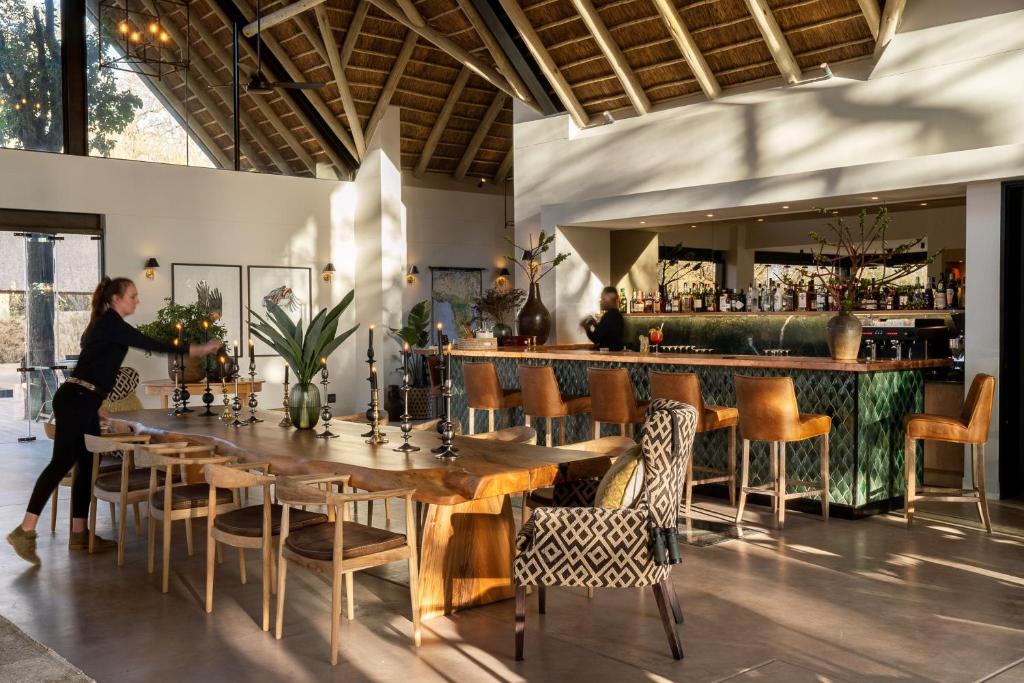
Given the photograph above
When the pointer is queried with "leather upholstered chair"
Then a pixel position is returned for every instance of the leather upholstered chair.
(612, 400)
(342, 547)
(685, 388)
(970, 428)
(484, 392)
(542, 399)
(527, 435)
(769, 412)
(615, 548)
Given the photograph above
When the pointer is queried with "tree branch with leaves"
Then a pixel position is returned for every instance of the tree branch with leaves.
(532, 261)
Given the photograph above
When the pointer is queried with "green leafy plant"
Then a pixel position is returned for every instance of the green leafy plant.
(500, 304)
(416, 330)
(191, 318)
(532, 260)
(301, 348)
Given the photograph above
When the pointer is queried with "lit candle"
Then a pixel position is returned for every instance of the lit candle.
(286, 368)
(235, 345)
(371, 338)
(179, 327)
(206, 331)
(405, 358)
(448, 363)
(252, 356)
(373, 379)
(439, 328)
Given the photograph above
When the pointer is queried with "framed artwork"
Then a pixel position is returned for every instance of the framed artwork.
(452, 291)
(217, 286)
(290, 287)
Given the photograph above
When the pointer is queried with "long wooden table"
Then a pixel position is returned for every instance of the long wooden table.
(469, 533)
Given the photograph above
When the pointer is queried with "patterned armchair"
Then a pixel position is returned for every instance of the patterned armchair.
(615, 548)
(122, 396)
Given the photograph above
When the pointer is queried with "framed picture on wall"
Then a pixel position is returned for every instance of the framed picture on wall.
(452, 291)
(218, 287)
(290, 287)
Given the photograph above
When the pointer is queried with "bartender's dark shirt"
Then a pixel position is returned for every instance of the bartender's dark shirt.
(105, 344)
(610, 331)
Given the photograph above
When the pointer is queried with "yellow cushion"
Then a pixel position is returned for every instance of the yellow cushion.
(622, 483)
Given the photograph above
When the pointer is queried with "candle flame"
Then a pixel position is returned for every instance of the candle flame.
(373, 371)
(206, 324)
(223, 360)
(175, 341)
(405, 346)
(234, 343)
(323, 361)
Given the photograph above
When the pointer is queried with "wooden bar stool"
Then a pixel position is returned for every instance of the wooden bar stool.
(612, 400)
(685, 388)
(542, 398)
(769, 412)
(970, 428)
(484, 392)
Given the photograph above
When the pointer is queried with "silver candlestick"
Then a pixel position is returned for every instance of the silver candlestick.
(325, 410)
(176, 396)
(253, 400)
(286, 421)
(446, 427)
(236, 404)
(406, 447)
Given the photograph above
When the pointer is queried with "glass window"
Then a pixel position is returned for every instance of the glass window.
(31, 92)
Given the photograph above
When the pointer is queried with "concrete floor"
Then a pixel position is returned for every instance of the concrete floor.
(847, 601)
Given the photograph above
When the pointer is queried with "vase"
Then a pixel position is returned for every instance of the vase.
(194, 371)
(844, 336)
(535, 319)
(304, 405)
(501, 331)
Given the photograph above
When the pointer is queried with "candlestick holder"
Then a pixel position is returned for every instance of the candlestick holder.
(325, 410)
(208, 397)
(176, 395)
(372, 414)
(446, 427)
(227, 414)
(286, 421)
(376, 436)
(406, 447)
(236, 406)
(253, 400)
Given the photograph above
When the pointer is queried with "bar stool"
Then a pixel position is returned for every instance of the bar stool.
(685, 388)
(542, 398)
(484, 392)
(769, 412)
(970, 428)
(612, 400)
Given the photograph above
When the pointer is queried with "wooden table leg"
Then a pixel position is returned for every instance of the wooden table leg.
(466, 558)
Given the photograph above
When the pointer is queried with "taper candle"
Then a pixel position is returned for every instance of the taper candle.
(286, 367)
(439, 328)
(371, 338)
(373, 379)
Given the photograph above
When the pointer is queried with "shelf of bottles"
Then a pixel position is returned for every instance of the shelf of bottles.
(947, 295)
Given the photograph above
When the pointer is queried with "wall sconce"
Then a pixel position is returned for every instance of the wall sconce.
(410, 277)
(503, 276)
(327, 274)
(151, 266)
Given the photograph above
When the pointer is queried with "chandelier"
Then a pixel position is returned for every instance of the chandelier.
(136, 36)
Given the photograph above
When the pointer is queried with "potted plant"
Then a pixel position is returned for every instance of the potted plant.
(415, 333)
(304, 350)
(535, 319)
(191, 318)
(842, 260)
(498, 305)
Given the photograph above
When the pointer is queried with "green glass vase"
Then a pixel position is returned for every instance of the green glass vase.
(304, 405)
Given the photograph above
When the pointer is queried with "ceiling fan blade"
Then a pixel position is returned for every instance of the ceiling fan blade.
(289, 85)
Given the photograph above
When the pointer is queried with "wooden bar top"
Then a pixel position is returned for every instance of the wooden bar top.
(589, 355)
(483, 468)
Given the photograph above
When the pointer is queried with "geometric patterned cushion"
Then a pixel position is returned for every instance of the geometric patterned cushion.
(125, 384)
(621, 484)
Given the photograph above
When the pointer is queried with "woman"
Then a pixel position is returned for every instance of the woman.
(76, 408)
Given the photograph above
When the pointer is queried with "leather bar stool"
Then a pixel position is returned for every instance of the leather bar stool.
(685, 387)
(971, 427)
(484, 392)
(612, 400)
(769, 412)
(542, 399)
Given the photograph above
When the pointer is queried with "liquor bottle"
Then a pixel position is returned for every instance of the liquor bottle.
(724, 300)
(821, 300)
(801, 296)
(777, 297)
(904, 297)
(940, 294)
(741, 301)
(951, 297)
(710, 300)
(929, 295)
(622, 300)
(698, 299)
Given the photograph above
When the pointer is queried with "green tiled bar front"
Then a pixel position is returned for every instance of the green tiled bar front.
(867, 410)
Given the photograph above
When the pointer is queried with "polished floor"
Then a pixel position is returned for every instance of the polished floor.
(843, 601)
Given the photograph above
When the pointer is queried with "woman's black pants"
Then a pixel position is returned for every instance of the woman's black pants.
(76, 411)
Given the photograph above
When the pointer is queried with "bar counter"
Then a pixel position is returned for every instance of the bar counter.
(866, 401)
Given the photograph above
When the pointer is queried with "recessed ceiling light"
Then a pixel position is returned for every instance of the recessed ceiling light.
(785, 206)
(693, 226)
(760, 220)
(643, 222)
(711, 215)
(874, 199)
(924, 203)
(834, 213)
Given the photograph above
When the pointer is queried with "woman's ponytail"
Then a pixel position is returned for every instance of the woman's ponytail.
(106, 290)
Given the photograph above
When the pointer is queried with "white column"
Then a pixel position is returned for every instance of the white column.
(380, 252)
(984, 210)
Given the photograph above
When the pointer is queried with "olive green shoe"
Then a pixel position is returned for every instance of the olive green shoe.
(24, 543)
(80, 541)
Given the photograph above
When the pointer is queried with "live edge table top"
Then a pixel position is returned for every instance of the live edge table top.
(483, 469)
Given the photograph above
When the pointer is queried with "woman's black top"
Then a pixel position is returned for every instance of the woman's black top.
(105, 344)
(609, 332)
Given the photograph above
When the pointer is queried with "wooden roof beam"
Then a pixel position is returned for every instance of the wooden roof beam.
(279, 17)
(441, 122)
(547, 65)
(775, 40)
(478, 137)
(890, 21)
(449, 46)
(505, 166)
(497, 54)
(409, 8)
(340, 80)
(698, 65)
(871, 15)
(606, 43)
(352, 34)
(392, 83)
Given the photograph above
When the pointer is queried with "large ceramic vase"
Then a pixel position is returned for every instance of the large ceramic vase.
(844, 335)
(304, 405)
(193, 368)
(535, 319)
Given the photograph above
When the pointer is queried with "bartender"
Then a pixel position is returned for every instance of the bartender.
(607, 333)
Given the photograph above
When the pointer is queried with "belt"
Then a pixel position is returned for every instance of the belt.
(85, 385)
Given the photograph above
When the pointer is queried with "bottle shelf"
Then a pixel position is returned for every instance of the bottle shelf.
(905, 313)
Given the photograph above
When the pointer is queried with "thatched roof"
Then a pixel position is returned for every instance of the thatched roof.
(290, 132)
